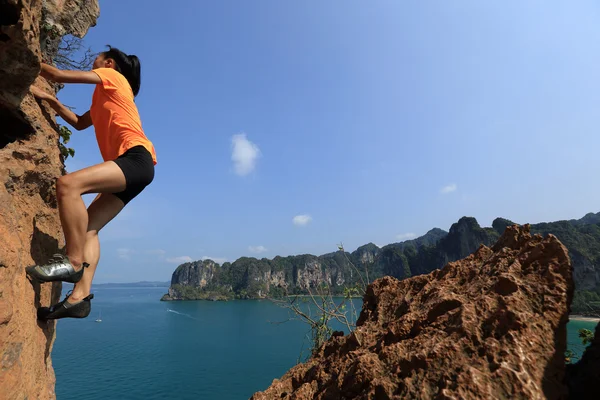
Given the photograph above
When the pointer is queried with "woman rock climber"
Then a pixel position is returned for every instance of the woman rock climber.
(128, 167)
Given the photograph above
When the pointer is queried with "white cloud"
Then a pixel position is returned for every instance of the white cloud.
(125, 254)
(244, 154)
(179, 260)
(405, 236)
(449, 188)
(301, 220)
(218, 260)
(257, 249)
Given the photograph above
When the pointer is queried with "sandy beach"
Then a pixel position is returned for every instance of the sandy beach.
(582, 318)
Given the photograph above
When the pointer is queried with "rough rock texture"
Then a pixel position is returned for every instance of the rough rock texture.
(30, 229)
(197, 274)
(490, 326)
(73, 17)
(61, 18)
(251, 278)
(583, 378)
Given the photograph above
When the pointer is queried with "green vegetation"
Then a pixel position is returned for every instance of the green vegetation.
(320, 309)
(276, 292)
(65, 134)
(569, 356)
(586, 337)
(193, 293)
(585, 302)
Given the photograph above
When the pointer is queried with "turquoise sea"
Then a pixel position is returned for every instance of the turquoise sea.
(147, 349)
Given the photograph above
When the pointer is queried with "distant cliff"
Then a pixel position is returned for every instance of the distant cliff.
(248, 278)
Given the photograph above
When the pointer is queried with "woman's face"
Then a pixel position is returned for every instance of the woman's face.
(102, 62)
(99, 61)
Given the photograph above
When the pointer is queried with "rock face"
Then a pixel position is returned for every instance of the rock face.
(249, 278)
(30, 163)
(490, 326)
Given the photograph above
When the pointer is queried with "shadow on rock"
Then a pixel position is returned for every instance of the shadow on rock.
(42, 247)
(583, 377)
(553, 385)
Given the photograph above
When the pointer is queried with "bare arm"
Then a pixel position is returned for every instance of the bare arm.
(79, 122)
(63, 76)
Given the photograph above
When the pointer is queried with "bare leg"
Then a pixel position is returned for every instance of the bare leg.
(102, 210)
(102, 178)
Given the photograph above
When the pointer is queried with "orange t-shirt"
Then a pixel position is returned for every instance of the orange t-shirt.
(115, 116)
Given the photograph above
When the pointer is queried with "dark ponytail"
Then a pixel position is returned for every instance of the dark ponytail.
(128, 66)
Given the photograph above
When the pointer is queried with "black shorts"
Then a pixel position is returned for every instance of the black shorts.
(138, 167)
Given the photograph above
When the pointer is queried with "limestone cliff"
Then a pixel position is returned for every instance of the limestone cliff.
(30, 163)
(254, 278)
(490, 326)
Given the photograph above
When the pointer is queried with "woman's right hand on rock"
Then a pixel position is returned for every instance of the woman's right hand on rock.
(40, 94)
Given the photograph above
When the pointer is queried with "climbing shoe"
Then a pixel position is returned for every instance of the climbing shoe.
(64, 309)
(58, 269)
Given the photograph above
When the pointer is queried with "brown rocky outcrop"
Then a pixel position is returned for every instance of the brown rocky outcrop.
(490, 326)
(30, 163)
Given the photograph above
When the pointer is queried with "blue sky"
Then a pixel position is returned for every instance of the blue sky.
(287, 127)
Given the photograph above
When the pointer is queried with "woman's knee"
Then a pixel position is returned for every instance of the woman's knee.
(66, 186)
